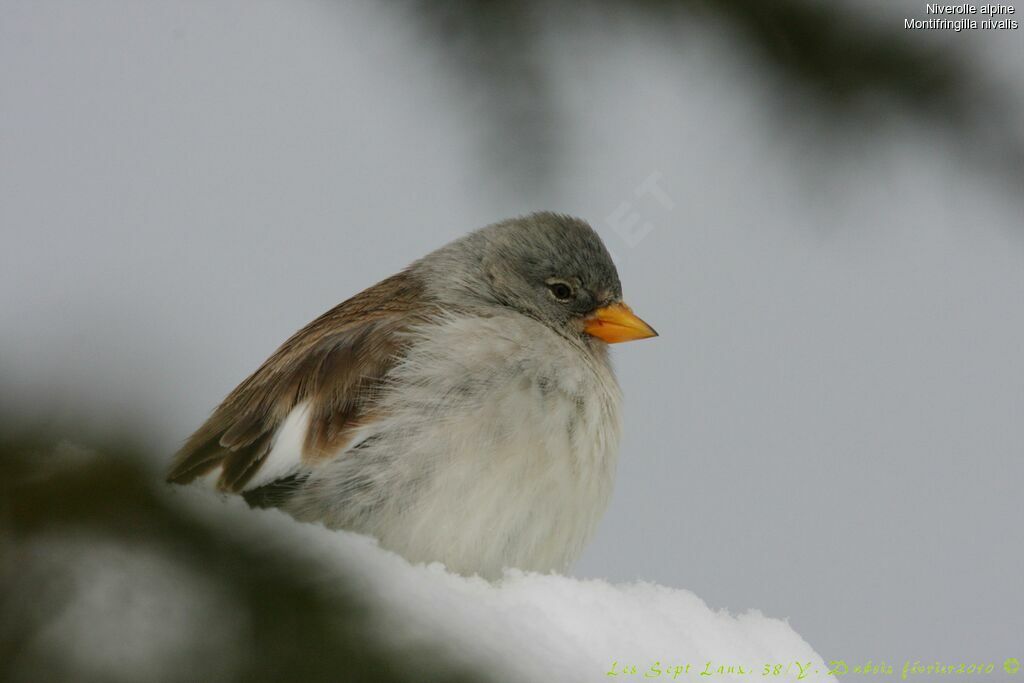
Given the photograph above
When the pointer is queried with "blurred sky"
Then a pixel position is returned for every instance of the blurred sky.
(829, 427)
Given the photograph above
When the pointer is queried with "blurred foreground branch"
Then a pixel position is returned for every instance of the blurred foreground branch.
(100, 572)
(838, 64)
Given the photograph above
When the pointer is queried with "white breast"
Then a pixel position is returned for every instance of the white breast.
(497, 448)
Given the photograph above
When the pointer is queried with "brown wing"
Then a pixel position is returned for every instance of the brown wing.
(337, 362)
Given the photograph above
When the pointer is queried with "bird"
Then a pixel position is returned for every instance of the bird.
(463, 411)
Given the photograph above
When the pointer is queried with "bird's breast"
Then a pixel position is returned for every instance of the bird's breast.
(496, 447)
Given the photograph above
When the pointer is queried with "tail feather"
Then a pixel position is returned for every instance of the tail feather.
(193, 461)
(239, 465)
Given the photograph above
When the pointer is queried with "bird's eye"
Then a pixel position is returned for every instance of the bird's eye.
(560, 290)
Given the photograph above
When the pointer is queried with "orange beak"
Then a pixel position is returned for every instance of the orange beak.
(616, 323)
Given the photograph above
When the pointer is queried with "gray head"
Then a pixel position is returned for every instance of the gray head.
(551, 267)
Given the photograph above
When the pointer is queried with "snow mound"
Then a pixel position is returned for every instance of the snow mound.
(533, 627)
(111, 576)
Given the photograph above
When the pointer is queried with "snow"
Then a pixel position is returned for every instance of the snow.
(142, 607)
(533, 627)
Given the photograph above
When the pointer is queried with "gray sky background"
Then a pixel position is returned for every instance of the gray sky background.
(829, 427)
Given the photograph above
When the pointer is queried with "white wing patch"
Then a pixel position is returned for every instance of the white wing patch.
(285, 458)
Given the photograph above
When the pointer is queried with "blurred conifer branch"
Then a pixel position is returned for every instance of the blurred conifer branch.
(287, 625)
(837, 65)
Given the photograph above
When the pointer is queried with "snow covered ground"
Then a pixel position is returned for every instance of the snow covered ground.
(527, 627)
(112, 576)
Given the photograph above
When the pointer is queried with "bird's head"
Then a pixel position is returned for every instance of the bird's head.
(551, 267)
